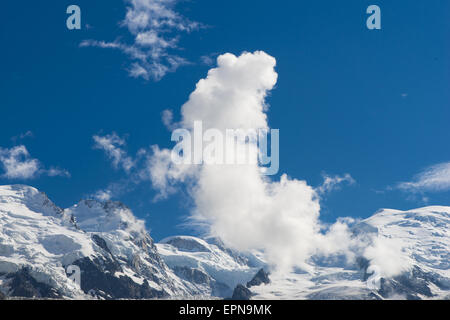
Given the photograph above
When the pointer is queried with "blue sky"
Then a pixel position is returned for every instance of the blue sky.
(371, 103)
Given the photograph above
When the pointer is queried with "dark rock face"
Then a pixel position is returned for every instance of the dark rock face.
(198, 277)
(97, 274)
(2, 296)
(260, 278)
(101, 243)
(146, 243)
(410, 284)
(25, 286)
(192, 275)
(241, 293)
(97, 278)
(220, 289)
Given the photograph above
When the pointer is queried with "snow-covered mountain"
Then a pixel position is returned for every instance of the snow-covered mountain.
(116, 256)
(41, 244)
(425, 240)
(214, 269)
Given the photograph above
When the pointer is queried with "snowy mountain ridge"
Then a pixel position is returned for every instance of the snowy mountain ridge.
(38, 241)
(424, 237)
(118, 258)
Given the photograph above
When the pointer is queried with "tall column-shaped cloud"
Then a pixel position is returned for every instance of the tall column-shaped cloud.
(244, 208)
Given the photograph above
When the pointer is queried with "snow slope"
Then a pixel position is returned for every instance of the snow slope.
(35, 233)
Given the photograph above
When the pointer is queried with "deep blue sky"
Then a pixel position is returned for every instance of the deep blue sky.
(339, 102)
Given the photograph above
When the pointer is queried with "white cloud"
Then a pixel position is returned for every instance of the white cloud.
(163, 173)
(167, 119)
(56, 172)
(388, 255)
(27, 134)
(112, 145)
(114, 189)
(18, 164)
(103, 195)
(153, 25)
(331, 183)
(135, 167)
(235, 202)
(136, 71)
(433, 179)
(232, 96)
(153, 165)
(207, 60)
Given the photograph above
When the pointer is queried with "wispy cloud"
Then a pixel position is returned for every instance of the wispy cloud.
(167, 119)
(208, 59)
(18, 164)
(57, 172)
(432, 179)
(23, 135)
(163, 174)
(148, 165)
(154, 25)
(113, 145)
(114, 148)
(331, 183)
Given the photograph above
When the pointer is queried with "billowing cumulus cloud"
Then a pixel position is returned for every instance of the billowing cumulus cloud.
(245, 209)
(232, 96)
(235, 202)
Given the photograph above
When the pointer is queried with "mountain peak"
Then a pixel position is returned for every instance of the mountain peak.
(30, 197)
(98, 216)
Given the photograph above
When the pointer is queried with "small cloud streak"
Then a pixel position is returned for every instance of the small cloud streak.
(433, 179)
(112, 145)
(27, 134)
(331, 183)
(56, 172)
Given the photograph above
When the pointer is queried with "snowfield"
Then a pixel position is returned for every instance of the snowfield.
(118, 258)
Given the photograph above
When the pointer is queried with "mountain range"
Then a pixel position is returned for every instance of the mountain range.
(100, 250)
